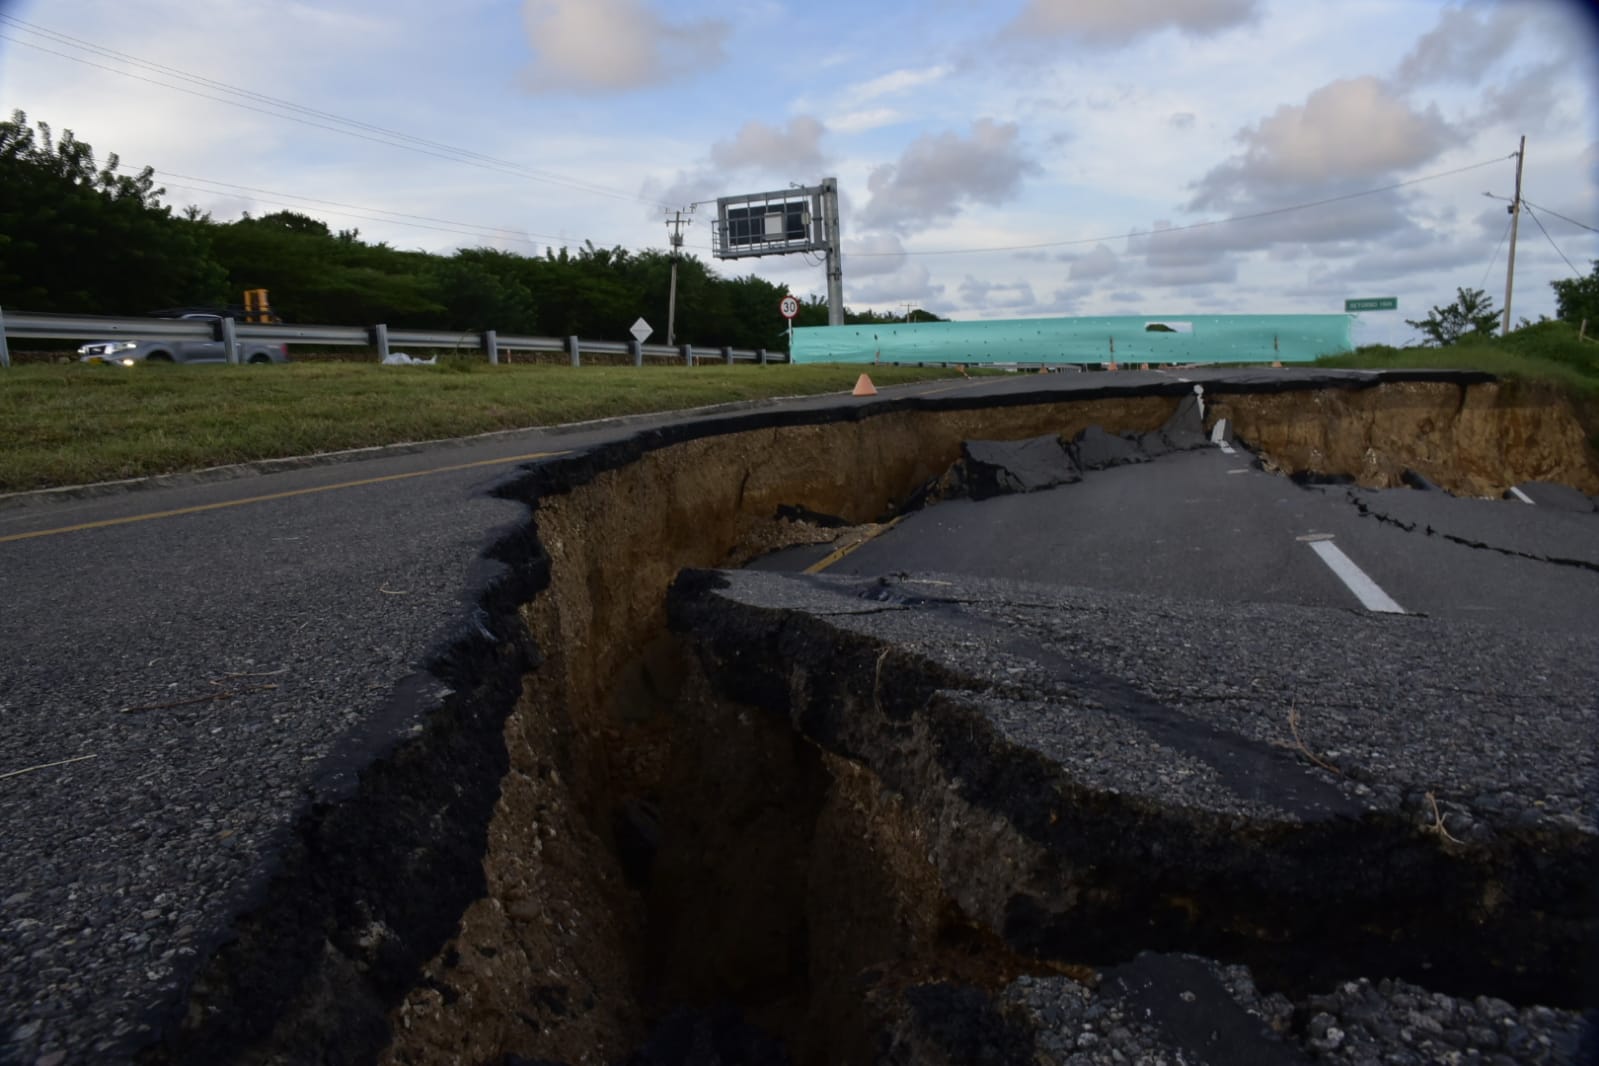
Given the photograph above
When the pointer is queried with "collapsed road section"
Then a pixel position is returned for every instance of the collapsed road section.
(793, 829)
(1089, 778)
(862, 820)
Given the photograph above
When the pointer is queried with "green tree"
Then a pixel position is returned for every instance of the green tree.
(481, 288)
(1472, 313)
(313, 275)
(83, 239)
(1577, 299)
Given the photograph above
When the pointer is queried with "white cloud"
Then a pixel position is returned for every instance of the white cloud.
(614, 45)
(1099, 263)
(874, 254)
(1530, 101)
(1350, 131)
(1465, 43)
(861, 121)
(895, 82)
(938, 173)
(1114, 22)
(758, 146)
(997, 295)
(913, 284)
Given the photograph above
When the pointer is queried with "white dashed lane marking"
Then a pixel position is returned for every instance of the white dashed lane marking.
(1367, 591)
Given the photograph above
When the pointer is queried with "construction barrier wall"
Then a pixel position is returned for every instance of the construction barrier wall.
(1099, 339)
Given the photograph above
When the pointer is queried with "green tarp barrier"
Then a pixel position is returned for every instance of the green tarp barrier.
(1102, 339)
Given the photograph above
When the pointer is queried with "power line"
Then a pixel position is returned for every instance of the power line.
(305, 116)
(1548, 238)
(1495, 257)
(1563, 218)
(396, 217)
(1195, 225)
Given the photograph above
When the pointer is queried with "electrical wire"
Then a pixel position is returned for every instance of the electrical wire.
(1548, 238)
(305, 116)
(395, 217)
(1195, 225)
(1557, 214)
(374, 218)
(1495, 257)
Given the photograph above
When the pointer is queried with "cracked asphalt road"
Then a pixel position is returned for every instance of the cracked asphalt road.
(189, 668)
(1205, 525)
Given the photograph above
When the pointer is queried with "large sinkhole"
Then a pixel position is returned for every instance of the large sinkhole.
(765, 818)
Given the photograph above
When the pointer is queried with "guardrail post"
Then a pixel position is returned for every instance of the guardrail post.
(727, 355)
(635, 348)
(5, 353)
(230, 338)
(491, 345)
(574, 347)
(380, 341)
(687, 351)
(760, 356)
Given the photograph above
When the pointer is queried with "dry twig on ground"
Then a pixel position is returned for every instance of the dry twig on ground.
(1299, 743)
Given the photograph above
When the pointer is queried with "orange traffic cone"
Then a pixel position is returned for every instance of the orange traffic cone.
(864, 387)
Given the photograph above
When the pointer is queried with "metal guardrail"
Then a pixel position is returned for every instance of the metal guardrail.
(234, 333)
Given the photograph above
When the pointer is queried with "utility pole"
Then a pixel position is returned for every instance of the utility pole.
(675, 224)
(1515, 219)
(835, 252)
(907, 307)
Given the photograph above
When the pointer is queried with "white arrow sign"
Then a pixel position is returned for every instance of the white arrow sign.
(641, 331)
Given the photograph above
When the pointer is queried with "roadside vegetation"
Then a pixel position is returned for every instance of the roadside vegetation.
(1559, 352)
(1543, 351)
(87, 237)
(70, 425)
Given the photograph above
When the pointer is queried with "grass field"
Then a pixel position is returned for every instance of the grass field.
(1551, 353)
(1547, 351)
(73, 424)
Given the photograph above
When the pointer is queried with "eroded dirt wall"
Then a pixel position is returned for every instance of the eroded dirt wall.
(1475, 440)
(552, 963)
(564, 929)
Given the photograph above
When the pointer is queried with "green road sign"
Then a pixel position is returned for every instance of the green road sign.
(1375, 303)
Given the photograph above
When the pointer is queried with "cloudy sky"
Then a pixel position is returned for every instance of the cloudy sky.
(996, 158)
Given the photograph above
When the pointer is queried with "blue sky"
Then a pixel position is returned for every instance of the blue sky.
(1093, 131)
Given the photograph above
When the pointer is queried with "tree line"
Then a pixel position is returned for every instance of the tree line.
(1473, 313)
(81, 238)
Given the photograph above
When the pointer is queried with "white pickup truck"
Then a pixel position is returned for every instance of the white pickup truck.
(131, 351)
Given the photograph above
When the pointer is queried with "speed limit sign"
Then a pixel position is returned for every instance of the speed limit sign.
(789, 307)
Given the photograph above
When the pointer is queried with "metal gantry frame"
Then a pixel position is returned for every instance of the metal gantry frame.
(783, 222)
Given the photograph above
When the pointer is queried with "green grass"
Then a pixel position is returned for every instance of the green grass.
(1546, 352)
(74, 424)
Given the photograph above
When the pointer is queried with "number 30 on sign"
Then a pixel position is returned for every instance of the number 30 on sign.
(789, 307)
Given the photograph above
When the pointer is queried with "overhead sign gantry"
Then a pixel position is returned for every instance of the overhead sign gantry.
(798, 219)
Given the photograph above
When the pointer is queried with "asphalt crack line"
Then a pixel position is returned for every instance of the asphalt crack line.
(1367, 511)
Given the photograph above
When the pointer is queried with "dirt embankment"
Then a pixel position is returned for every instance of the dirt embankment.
(654, 849)
(1474, 440)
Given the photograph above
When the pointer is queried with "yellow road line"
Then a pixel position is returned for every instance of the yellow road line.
(152, 516)
(823, 564)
